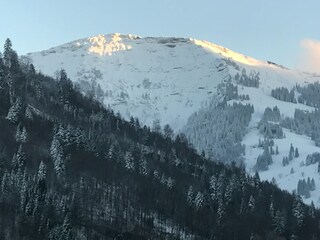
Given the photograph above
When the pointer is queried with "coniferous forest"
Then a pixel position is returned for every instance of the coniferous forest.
(72, 169)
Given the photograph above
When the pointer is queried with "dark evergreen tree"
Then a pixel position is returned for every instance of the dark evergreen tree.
(263, 161)
(283, 94)
(291, 153)
(296, 153)
(309, 94)
(167, 131)
(65, 87)
(7, 53)
(156, 126)
(285, 161)
(312, 158)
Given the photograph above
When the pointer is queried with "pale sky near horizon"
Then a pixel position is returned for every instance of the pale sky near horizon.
(285, 32)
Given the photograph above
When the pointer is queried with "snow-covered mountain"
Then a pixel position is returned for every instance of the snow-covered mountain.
(156, 77)
(172, 78)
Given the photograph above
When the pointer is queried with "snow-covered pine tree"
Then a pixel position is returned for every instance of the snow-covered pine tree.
(251, 204)
(279, 222)
(42, 171)
(19, 159)
(15, 111)
(28, 113)
(170, 183)
(24, 135)
(56, 152)
(221, 213)
(41, 177)
(190, 196)
(228, 193)
(199, 200)
(298, 212)
(5, 183)
(23, 192)
(143, 166)
(221, 185)
(66, 233)
(271, 208)
(129, 161)
(111, 153)
(213, 188)
(18, 133)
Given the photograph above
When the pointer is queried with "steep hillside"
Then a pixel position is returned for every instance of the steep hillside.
(72, 169)
(188, 83)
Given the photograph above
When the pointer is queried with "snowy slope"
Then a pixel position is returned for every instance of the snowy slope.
(171, 78)
(147, 77)
(155, 77)
(283, 176)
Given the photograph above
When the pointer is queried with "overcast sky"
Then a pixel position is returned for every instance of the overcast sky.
(283, 31)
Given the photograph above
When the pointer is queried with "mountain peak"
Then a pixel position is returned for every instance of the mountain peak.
(107, 44)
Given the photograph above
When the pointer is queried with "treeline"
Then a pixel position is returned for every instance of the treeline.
(251, 80)
(310, 94)
(304, 187)
(305, 122)
(218, 131)
(283, 94)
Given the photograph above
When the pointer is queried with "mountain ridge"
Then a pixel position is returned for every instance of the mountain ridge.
(129, 60)
(219, 49)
